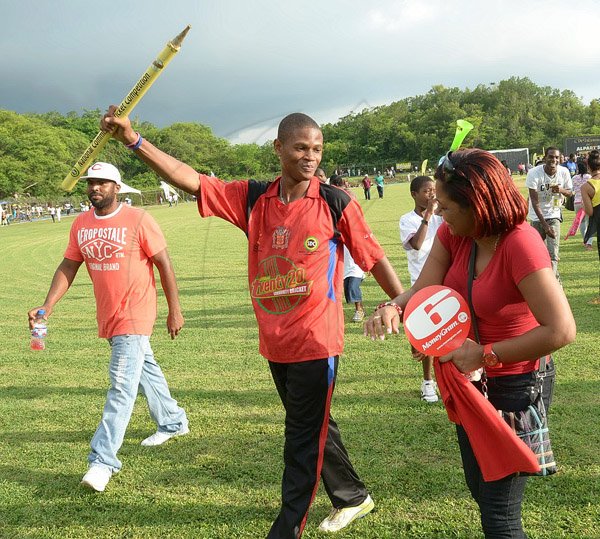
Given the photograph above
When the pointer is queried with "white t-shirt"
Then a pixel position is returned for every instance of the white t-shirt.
(409, 224)
(540, 181)
(351, 269)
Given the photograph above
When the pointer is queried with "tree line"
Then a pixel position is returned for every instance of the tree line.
(37, 150)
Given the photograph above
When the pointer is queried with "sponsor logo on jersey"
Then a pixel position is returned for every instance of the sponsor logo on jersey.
(279, 285)
(311, 244)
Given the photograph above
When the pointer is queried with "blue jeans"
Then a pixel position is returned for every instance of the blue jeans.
(352, 290)
(552, 244)
(500, 501)
(132, 367)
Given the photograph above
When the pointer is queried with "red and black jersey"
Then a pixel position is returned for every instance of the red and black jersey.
(295, 260)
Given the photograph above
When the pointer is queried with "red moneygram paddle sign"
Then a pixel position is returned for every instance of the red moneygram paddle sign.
(437, 320)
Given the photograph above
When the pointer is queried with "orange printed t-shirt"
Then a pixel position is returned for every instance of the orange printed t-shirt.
(116, 249)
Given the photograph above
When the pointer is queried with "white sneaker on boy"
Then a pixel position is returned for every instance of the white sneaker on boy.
(428, 391)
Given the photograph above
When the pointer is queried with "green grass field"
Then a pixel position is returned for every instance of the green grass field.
(223, 479)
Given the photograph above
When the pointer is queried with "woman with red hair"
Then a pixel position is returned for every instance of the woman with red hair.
(521, 311)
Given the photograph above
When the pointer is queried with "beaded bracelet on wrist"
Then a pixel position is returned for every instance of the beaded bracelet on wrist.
(390, 304)
(135, 145)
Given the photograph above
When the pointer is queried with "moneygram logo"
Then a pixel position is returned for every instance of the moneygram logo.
(279, 285)
(437, 322)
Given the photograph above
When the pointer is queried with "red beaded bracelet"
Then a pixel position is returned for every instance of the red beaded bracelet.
(390, 304)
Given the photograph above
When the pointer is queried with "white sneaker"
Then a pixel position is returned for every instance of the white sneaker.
(358, 316)
(97, 477)
(428, 391)
(159, 438)
(338, 519)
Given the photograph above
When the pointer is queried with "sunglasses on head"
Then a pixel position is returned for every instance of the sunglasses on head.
(446, 163)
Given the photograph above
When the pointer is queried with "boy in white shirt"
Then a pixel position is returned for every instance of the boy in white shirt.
(417, 232)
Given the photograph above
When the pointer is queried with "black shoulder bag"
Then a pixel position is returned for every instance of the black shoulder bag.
(531, 424)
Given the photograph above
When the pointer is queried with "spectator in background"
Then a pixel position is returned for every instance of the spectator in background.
(417, 232)
(579, 180)
(590, 197)
(366, 185)
(52, 211)
(58, 212)
(353, 277)
(547, 183)
(320, 173)
(353, 274)
(379, 181)
(571, 164)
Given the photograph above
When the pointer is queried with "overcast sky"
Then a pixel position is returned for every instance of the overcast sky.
(246, 64)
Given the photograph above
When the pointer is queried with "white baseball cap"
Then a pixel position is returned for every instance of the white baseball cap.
(103, 171)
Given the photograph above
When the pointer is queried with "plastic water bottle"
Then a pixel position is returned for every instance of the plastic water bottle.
(556, 197)
(39, 331)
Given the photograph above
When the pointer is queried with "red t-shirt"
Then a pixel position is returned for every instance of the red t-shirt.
(501, 310)
(116, 249)
(295, 262)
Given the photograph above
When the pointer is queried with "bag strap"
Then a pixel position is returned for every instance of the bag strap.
(470, 290)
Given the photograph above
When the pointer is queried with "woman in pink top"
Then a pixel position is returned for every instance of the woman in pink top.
(579, 180)
(522, 313)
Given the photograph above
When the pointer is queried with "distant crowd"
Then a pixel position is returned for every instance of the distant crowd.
(22, 212)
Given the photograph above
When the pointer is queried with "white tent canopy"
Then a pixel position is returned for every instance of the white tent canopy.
(127, 189)
(167, 189)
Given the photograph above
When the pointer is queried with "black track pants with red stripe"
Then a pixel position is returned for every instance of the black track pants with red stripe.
(313, 445)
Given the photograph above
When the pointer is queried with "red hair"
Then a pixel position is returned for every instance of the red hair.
(480, 182)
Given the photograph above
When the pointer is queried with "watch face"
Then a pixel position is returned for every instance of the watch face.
(490, 360)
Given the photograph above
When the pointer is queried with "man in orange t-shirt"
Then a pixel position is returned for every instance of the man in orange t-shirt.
(120, 245)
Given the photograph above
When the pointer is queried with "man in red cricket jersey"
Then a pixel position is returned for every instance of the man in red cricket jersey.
(296, 228)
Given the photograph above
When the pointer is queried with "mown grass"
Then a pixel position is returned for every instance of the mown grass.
(223, 479)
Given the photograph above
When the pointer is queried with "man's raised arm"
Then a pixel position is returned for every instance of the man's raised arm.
(167, 167)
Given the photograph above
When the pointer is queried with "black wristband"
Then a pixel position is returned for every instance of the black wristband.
(424, 222)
